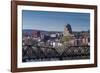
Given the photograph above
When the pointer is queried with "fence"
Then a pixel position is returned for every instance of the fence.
(39, 53)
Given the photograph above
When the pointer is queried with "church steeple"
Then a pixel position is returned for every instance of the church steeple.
(68, 26)
(67, 30)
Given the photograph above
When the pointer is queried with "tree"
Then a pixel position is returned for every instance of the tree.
(65, 39)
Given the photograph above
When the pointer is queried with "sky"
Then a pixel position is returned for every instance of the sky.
(55, 21)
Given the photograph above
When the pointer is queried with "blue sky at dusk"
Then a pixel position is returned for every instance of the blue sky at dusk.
(55, 21)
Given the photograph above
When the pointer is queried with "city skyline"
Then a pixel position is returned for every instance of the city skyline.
(55, 21)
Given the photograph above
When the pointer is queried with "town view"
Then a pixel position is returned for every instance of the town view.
(55, 36)
(41, 45)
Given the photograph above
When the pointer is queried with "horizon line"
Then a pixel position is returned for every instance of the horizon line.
(55, 31)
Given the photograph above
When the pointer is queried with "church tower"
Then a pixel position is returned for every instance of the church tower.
(67, 30)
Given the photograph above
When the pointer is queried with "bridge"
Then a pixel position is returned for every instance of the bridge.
(45, 53)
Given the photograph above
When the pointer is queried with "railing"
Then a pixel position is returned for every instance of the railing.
(40, 53)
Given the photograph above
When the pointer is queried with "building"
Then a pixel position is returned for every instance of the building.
(36, 34)
(67, 30)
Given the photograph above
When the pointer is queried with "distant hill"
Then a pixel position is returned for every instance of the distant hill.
(30, 31)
